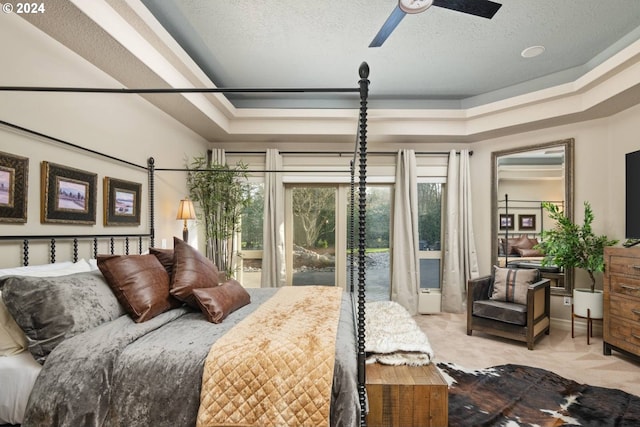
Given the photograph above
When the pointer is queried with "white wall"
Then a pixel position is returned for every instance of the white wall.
(123, 126)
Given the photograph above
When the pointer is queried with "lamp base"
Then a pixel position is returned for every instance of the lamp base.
(185, 232)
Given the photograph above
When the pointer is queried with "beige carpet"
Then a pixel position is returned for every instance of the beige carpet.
(557, 352)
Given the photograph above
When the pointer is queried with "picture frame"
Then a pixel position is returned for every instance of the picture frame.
(14, 183)
(527, 222)
(507, 222)
(122, 201)
(68, 195)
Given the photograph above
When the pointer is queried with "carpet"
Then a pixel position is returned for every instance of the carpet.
(516, 395)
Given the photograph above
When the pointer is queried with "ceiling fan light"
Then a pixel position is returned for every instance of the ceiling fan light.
(414, 6)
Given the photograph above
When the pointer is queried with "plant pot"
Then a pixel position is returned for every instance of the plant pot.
(584, 299)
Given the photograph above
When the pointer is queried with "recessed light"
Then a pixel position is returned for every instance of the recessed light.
(532, 51)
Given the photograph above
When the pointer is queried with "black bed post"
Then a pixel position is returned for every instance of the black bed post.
(362, 202)
(152, 231)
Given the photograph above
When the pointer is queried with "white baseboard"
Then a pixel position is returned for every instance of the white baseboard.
(579, 326)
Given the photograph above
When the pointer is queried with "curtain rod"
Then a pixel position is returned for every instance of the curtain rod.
(171, 90)
(69, 144)
(253, 170)
(347, 153)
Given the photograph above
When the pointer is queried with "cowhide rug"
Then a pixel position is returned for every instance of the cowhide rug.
(515, 395)
(392, 336)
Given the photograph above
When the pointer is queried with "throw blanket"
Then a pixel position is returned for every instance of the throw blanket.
(275, 368)
(393, 337)
(515, 395)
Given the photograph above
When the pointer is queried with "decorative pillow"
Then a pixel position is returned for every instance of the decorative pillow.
(218, 302)
(12, 338)
(521, 242)
(166, 258)
(510, 284)
(52, 309)
(140, 283)
(191, 270)
(529, 252)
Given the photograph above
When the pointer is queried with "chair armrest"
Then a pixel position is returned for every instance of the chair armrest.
(544, 283)
(478, 289)
(539, 299)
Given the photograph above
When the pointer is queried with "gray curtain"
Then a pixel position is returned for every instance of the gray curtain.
(460, 257)
(273, 260)
(405, 276)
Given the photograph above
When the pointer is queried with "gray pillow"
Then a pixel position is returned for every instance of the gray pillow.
(52, 309)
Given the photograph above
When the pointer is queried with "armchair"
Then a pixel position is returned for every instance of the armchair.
(523, 322)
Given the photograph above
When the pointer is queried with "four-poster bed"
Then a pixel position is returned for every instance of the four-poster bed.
(47, 407)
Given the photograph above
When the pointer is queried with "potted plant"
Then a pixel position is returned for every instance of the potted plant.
(220, 193)
(570, 245)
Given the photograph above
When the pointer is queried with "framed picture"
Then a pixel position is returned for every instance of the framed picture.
(68, 195)
(14, 176)
(527, 222)
(121, 202)
(506, 221)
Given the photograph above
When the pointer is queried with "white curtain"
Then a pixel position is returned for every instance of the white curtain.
(460, 257)
(273, 261)
(405, 276)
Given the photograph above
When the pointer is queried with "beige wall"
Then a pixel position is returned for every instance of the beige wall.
(124, 126)
(599, 178)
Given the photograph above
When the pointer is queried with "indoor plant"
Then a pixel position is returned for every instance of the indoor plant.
(220, 193)
(571, 245)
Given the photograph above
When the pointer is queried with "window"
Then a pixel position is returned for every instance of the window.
(251, 235)
(430, 233)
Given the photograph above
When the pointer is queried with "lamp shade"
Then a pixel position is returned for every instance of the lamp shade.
(186, 210)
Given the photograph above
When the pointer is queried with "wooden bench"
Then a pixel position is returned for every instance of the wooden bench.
(406, 396)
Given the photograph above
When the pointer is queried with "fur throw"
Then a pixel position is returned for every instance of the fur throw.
(392, 336)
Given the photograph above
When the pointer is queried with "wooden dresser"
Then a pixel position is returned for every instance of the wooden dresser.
(622, 300)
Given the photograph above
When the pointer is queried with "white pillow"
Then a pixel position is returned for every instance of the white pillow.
(12, 338)
(34, 270)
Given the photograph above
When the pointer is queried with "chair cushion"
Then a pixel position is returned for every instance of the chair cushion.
(511, 284)
(507, 312)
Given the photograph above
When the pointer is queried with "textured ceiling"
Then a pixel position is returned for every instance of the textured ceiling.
(436, 59)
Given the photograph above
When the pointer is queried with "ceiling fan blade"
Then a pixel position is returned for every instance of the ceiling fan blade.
(389, 25)
(483, 8)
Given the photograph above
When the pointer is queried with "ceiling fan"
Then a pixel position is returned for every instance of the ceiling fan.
(482, 8)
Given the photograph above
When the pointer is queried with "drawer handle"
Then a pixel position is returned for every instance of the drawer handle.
(634, 311)
(630, 288)
(636, 336)
(636, 267)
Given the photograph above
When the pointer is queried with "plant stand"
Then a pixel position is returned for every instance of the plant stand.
(589, 323)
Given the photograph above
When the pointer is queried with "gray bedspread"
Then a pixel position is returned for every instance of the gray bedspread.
(149, 374)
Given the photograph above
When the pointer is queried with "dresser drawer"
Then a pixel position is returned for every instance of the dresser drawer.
(625, 334)
(626, 308)
(623, 285)
(629, 266)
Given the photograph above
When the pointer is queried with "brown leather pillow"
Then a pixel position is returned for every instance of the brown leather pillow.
(521, 242)
(191, 270)
(218, 302)
(139, 282)
(529, 252)
(165, 256)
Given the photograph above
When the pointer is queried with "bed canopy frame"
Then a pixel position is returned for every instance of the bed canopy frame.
(359, 162)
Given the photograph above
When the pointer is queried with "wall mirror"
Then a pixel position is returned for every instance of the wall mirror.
(523, 178)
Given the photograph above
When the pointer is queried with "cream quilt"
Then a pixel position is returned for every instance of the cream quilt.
(275, 368)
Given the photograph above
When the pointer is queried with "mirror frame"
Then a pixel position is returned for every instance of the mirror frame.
(568, 145)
